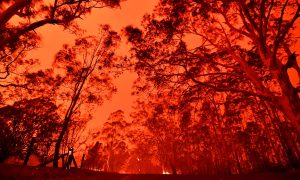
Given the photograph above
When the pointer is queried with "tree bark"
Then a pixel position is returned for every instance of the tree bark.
(289, 102)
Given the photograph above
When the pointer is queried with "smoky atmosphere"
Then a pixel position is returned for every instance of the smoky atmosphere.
(150, 89)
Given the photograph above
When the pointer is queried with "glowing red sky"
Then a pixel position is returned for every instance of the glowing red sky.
(130, 13)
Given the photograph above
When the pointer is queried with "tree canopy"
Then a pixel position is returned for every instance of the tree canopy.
(216, 91)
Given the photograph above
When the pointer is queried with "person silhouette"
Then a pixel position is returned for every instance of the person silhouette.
(70, 158)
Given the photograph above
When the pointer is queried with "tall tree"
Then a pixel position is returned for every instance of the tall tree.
(20, 18)
(241, 47)
(86, 67)
(113, 137)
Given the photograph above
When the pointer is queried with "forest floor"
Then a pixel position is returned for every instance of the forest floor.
(25, 172)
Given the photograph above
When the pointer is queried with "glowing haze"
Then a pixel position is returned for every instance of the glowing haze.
(130, 13)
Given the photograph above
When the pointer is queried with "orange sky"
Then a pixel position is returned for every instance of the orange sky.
(130, 13)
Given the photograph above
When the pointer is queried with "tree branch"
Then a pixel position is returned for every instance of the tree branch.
(27, 29)
(226, 89)
(12, 10)
(279, 38)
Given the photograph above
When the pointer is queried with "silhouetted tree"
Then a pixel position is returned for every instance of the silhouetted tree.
(113, 138)
(241, 47)
(226, 60)
(95, 159)
(20, 18)
(87, 81)
(24, 119)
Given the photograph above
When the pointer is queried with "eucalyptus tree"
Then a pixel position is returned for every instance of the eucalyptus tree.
(230, 61)
(241, 47)
(87, 69)
(115, 145)
(20, 18)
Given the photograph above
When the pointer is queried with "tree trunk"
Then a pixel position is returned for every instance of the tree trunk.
(59, 141)
(174, 169)
(78, 87)
(283, 138)
(29, 151)
(289, 102)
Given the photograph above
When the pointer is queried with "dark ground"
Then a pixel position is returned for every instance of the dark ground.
(25, 172)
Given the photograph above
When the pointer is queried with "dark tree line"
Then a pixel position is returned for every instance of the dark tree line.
(23, 119)
(221, 100)
(78, 81)
(214, 92)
